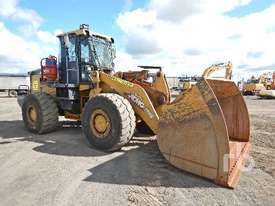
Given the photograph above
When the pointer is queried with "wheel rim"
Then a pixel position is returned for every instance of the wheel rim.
(32, 114)
(100, 123)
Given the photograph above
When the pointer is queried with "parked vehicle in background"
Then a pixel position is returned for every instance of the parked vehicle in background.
(269, 92)
(10, 83)
(252, 86)
(23, 91)
(256, 85)
(187, 82)
(267, 79)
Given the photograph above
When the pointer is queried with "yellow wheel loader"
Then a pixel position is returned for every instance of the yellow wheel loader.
(254, 86)
(204, 131)
(268, 80)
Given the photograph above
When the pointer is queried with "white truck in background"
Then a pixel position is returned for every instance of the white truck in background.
(12, 83)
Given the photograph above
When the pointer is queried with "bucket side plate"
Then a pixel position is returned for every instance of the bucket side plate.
(203, 128)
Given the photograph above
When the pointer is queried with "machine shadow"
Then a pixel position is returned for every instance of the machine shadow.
(140, 162)
(144, 166)
(66, 141)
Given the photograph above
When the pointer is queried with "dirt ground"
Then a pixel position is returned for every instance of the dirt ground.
(60, 169)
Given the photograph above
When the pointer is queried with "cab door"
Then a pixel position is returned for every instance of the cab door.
(68, 61)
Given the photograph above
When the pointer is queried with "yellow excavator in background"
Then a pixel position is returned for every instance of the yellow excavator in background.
(217, 67)
(186, 82)
(205, 130)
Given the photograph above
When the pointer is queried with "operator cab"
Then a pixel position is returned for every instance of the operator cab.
(81, 52)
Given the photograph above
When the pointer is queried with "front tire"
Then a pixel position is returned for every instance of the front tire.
(40, 113)
(108, 121)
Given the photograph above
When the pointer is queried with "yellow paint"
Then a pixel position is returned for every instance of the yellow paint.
(83, 87)
(32, 114)
(100, 123)
(161, 85)
(121, 81)
(94, 92)
(35, 85)
(123, 87)
(72, 116)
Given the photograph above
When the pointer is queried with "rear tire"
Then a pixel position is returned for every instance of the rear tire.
(40, 113)
(120, 118)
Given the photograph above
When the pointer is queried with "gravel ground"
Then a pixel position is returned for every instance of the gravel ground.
(60, 169)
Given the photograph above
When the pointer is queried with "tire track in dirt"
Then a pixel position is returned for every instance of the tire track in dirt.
(141, 196)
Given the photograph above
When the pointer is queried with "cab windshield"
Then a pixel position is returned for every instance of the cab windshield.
(97, 52)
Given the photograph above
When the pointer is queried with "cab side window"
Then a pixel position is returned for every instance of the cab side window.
(85, 51)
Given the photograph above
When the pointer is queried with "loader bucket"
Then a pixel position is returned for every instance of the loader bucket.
(206, 131)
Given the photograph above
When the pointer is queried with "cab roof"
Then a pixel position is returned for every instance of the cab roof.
(84, 31)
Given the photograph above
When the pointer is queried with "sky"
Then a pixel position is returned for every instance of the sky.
(182, 36)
